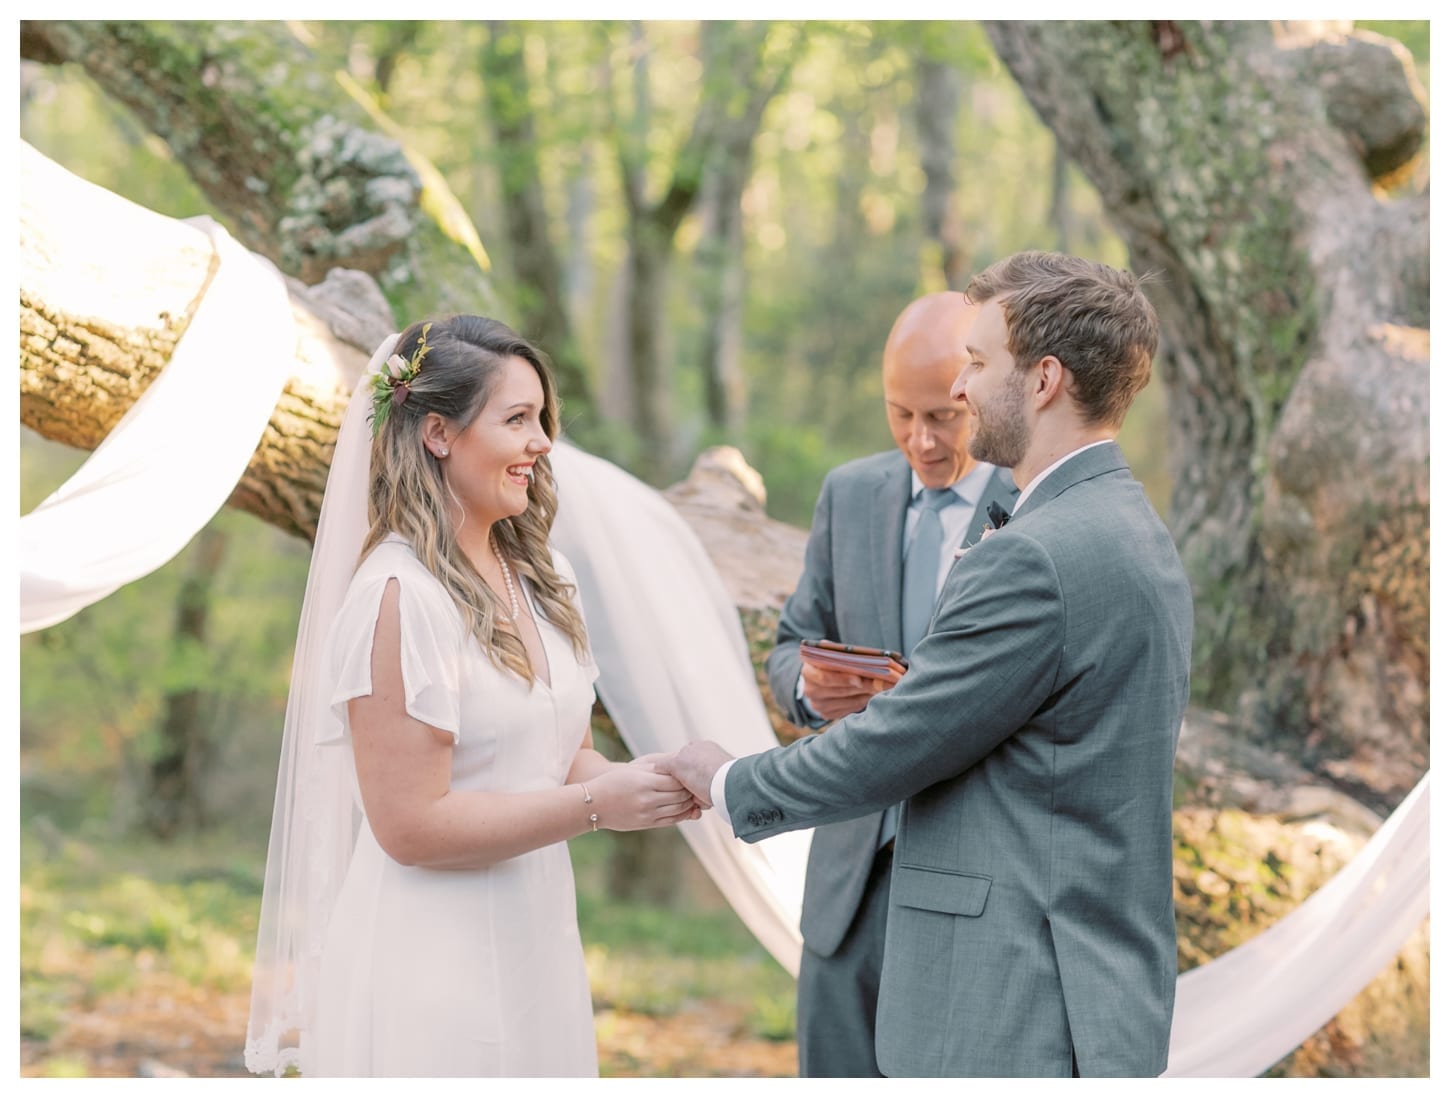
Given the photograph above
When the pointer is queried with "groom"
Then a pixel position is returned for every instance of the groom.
(1030, 928)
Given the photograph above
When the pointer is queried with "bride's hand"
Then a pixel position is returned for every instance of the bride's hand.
(631, 797)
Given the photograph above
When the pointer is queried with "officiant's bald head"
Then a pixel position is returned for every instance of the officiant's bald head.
(923, 355)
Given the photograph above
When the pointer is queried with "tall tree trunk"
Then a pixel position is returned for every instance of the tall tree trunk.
(721, 269)
(539, 285)
(398, 37)
(741, 74)
(172, 801)
(1059, 216)
(289, 149)
(938, 105)
(649, 241)
(1241, 162)
(721, 249)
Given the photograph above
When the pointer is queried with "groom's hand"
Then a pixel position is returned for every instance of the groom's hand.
(694, 766)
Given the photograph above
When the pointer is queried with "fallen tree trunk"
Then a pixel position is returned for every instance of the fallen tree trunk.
(108, 288)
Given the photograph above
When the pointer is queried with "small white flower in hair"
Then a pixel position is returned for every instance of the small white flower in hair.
(396, 366)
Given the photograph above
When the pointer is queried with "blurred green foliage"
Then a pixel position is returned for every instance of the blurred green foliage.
(98, 911)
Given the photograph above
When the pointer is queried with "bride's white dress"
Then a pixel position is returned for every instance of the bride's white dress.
(457, 972)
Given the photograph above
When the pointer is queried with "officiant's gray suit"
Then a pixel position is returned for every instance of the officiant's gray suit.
(1032, 740)
(850, 590)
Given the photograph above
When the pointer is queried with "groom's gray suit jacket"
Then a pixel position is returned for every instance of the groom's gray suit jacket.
(850, 590)
(1032, 739)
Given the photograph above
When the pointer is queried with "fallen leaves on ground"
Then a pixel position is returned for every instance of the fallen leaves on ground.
(165, 1027)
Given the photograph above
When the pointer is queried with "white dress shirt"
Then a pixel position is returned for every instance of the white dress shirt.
(1040, 477)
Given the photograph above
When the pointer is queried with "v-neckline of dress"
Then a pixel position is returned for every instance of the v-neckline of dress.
(539, 623)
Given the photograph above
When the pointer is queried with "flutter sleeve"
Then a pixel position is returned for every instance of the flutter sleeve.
(432, 638)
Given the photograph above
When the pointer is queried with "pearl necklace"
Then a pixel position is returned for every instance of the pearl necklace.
(508, 580)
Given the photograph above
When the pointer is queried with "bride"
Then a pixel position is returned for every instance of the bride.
(445, 723)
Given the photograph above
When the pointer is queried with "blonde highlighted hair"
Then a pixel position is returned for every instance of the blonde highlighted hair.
(407, 494)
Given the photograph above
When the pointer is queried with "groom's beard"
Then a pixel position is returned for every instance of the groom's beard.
(1002, 433)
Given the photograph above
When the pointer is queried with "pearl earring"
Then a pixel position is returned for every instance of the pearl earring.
(443, 453)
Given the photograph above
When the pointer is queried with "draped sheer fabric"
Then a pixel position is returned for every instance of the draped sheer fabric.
(171, 462)
(673, 667)
(1242, 1012)
(314, 817)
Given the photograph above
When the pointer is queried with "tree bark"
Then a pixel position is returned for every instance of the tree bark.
(92, 339)
(1058, 214)
(938, 103)
(173, 799)
(1242, 163)
(722, 299)
(721, 249)
(289, 149)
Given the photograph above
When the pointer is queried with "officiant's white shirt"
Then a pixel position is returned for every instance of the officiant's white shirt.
(954, 518)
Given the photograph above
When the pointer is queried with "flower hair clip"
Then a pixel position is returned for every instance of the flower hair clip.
(390, 383)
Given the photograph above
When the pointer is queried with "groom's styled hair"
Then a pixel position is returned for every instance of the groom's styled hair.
(1095, 319)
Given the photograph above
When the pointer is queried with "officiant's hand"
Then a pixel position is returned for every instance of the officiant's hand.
(834, 694)
(694, 766)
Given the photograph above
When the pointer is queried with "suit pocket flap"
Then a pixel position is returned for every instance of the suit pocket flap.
(940, 890)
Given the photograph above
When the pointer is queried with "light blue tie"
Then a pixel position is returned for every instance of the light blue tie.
(923, 564)
(918, 595)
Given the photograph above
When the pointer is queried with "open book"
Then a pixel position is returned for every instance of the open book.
(856, 659)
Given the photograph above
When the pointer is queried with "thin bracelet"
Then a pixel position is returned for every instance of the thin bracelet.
(593, 816)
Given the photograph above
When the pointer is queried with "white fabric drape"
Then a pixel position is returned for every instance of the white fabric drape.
(171, 462)
(1242, 1012)
(673, 664)
(314, 818)
(673, 667)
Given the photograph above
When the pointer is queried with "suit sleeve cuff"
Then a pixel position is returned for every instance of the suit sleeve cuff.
(717, 790)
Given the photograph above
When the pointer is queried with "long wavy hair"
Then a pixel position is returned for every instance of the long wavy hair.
(407, 494)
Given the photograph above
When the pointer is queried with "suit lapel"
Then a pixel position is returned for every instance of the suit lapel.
(895, 495)
(999, 489)
(1094, 462)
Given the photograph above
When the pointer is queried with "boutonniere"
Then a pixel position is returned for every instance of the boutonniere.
(998, 517)
(987, 531)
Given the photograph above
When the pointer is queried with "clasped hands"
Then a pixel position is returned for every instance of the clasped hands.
(693, 766)
(833, 694)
